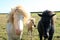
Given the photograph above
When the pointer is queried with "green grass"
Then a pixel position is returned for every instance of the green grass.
(3, 22)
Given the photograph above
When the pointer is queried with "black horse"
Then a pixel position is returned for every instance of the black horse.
(45, 26)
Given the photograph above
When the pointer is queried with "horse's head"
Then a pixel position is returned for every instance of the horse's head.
(33, 21)
(21, 10)
(46, 13)
(46, 16)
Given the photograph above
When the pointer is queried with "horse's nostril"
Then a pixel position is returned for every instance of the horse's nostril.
(34, 25)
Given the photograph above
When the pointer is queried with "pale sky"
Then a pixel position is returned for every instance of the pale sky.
(30, 5)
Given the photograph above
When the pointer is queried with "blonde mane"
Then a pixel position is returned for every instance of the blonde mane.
(10, 19)
(20, 10)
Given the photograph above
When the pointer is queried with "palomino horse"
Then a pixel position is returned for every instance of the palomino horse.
(30, 24)
(17, 16)
(46, 25)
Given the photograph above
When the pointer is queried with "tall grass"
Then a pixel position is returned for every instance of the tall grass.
(3, 22)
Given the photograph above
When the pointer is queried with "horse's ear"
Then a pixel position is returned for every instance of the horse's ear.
(40, 15)
(53, 15)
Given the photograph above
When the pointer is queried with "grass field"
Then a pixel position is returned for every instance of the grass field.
(3, 22)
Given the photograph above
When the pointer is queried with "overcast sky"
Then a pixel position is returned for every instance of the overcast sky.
(30, 5)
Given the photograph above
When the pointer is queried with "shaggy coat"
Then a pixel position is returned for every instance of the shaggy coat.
(46, 25)
(17, 17)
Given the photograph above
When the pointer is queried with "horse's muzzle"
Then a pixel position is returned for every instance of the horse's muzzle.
(34, 25)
